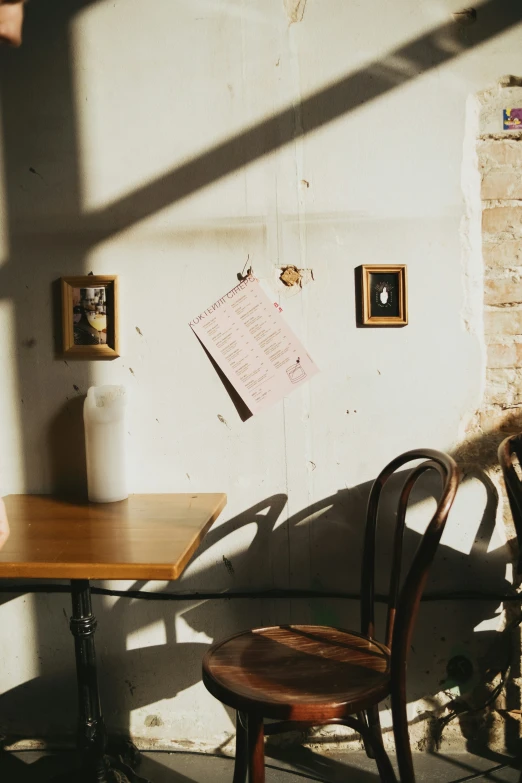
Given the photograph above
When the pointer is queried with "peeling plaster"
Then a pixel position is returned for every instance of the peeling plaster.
(294, 10)
(290, 275)
(293, 279)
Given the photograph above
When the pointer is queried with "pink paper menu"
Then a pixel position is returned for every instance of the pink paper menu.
(247, 336)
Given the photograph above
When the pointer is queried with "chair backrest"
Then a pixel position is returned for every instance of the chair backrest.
(508, 449)
(403, 601)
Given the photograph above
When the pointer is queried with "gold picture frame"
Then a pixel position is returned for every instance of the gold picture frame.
(90, 328)
(383, 295)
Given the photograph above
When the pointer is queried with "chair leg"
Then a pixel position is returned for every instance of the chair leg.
(374, 721)
(256, 748)
(402, 741)
(386, 771)
(241, 763)
(376, 744)
(367, 745)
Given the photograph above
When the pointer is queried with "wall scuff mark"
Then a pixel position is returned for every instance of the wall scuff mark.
(465, 16)
(30, 343)
(153, 720)
(223, 420)
(228, 565)
(294, 10)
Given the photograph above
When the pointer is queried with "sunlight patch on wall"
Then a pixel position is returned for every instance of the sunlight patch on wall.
(236, 8)
(495, 623)
(310, 518)
(11, 463)
(419, 513)
(185, 633)
(134, 127)
(415, 708)
(231, 550)
(498, 537)
(191, 712)
(464, 518)
(153, 634)
(18, 642)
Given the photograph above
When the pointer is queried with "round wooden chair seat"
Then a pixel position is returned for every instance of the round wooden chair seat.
(290, 672)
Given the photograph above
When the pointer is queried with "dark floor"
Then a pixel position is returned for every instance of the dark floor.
(297, 765)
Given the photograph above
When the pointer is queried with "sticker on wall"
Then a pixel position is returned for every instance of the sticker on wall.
(247, 337)
(512, 119)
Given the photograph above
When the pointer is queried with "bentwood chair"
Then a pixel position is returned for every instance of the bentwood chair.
(509, 449)
(306, 675)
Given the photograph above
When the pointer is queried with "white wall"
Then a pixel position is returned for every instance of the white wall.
(105, 106)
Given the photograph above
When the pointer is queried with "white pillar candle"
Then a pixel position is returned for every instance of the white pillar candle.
(105, 443)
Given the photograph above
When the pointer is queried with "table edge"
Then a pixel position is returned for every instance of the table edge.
(115, 571)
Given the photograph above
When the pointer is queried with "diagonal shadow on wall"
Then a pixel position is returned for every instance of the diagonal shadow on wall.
(49, 232)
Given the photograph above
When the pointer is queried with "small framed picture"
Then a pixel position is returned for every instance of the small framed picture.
(90, 317)
(382, 295)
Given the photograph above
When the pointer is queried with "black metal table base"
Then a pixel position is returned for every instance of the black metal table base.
(100, 761)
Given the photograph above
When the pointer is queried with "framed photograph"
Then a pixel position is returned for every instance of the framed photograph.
(382, 295)
(90, 317)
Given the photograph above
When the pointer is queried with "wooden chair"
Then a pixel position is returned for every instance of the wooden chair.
(305, 675)
(507, 451)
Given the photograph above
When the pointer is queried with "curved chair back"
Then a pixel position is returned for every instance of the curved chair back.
(403, 601)
(507, 451)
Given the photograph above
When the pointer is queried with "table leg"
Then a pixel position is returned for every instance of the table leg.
(92, 736)
(99, 763)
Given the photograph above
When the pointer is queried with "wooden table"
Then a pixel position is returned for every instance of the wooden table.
(144, 537)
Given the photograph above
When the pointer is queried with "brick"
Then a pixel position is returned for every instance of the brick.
(503, 387)
(496, 395)
(500, 219)
(500, 153)
(503, 253)
(501, 420)
(505, 290)
(500, 387)
(502, 378)
(508, 321)
(502, 355)
(502, 184)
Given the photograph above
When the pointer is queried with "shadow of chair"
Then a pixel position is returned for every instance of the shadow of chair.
(509, 453)
(332, 527)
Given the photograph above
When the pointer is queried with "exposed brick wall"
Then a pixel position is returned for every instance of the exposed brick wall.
(499, 161)
(500, 165)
